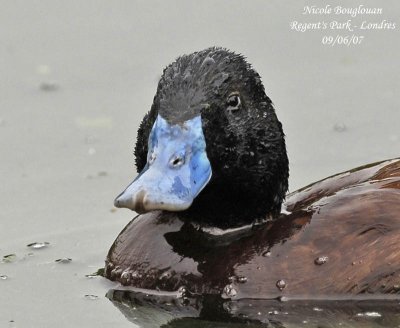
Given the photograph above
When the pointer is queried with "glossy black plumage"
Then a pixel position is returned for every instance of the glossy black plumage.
(246, 147)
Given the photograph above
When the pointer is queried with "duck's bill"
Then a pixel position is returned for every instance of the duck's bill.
(177, 169)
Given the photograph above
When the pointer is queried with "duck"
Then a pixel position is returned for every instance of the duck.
(214, 213)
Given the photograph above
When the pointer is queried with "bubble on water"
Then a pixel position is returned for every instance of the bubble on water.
(229, 291)
(321, 260)
(274, 312)
(369, 314)
(91, 151)
(38, 245)
(340, 127)
(49, 86)
(91, 297)
(9, 258)
(63, 260)
(281, 284)
(3, 277)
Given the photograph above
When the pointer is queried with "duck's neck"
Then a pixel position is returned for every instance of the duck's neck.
(228, 206)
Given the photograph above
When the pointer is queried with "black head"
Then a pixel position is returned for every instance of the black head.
(244, 141)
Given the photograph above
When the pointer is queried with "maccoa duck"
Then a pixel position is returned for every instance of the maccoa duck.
(213, 179)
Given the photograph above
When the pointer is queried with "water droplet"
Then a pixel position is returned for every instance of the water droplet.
(136, 274)
(369, 314)
(252, 154)
(283, 299)
(229, 291)
(165, 275)
(91, 297)
(339, 127)
(181, 291)
(258, 313)
(321, 260)
(116, 272)
(241, 279)
(266, 254)
(91, 151)
(38, 245)
(63, 260)
(9, 258)
(281, 284)
(125, 277)
(3, 277)
(49, 86)
(316, 309)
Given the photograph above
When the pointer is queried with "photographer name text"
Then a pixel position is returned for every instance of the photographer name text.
(345, 25)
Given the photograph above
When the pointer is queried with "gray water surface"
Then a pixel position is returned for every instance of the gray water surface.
(76, 77)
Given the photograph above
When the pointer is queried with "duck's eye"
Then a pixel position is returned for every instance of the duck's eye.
(233, 102)
(177, 161)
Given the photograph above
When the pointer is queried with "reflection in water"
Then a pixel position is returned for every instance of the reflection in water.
(151, 310)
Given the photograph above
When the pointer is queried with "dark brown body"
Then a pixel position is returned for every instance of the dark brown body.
(352, 219)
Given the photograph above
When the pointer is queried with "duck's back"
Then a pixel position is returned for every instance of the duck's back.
(342, 236)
